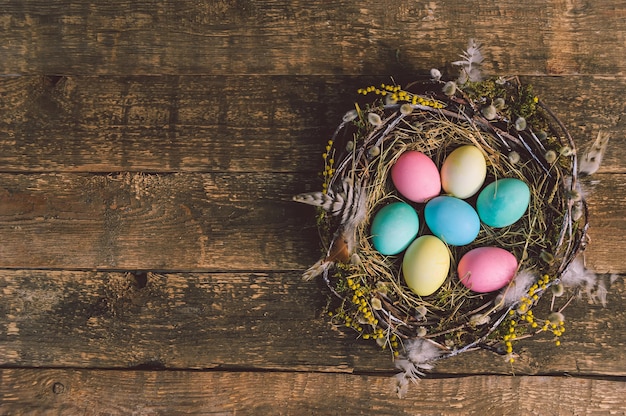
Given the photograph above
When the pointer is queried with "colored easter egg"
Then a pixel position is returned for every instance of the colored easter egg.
(416, 176)
(485, 269)
(426, 265)
(503, 202)
(452, 220)
(394, 227)
(463, 172)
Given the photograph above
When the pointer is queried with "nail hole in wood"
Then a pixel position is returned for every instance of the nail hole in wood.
(140, 279)
(53, 80)
(58, 388)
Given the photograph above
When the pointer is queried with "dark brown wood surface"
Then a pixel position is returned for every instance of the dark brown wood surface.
(218, 392)
(150, 256)
(308, 37)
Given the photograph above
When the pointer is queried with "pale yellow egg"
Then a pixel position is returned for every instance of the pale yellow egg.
(463, 172)
(426, 265)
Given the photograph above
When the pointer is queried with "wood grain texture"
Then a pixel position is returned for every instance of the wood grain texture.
(312, 37)
(229, 124)
(606, 222)
(150, 255)
(157, 222)
(213, 221)
(254, 321)
(166, 124)
(143, 393)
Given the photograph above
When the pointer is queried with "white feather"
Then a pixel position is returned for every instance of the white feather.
(518, 288)
(601, 292)
(602, 288)
(472, 58)
(577, 274)
(592, 158)
(401, 380)
(419, 354)
(422, 352)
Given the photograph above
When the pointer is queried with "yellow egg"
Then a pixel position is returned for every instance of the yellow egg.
(425, 265)
(463, 172)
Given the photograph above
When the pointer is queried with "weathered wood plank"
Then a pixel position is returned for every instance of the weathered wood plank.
(233, 123)
(607, 225)
(163, 393)
(236, 321)
(173, 321)
(165, 124)
(157, 222)
(213, 221)
(269, 37)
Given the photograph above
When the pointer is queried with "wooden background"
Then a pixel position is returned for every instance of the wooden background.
(150, 257)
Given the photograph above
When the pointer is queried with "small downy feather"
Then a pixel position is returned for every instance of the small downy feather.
(602, 288)
(518, 288)
(577, 275)
(592, 158)
(419, 353)
(601, 292)
(472, 58)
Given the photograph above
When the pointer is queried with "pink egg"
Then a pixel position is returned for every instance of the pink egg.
(485, 269)
(416, 176)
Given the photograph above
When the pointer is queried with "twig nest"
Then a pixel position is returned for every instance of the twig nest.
(454, 217)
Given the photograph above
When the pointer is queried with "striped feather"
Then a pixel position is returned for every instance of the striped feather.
(349, 205)
(344, 203)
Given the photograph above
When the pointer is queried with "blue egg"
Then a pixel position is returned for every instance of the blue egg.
(454, 221)
(394, 227)
(503, 202)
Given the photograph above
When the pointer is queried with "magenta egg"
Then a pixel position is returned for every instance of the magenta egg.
(416, 176)
(485, 269)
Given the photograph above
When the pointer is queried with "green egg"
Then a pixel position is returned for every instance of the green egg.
(394, 227)
(503, 202)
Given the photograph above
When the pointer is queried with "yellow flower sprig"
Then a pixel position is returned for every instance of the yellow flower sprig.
(556, 324)
(357, 312)
(525, 318)
(329, 162)
(395, 94)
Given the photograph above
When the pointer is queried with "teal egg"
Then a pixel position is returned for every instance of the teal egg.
(394, 227)
(503, 202)
(452, 220)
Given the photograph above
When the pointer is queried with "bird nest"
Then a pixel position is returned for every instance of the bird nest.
(519, 137)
